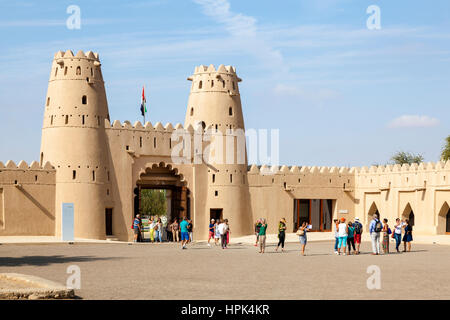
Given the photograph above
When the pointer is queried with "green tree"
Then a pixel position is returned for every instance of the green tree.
(153, 202)
(402, 157)
(446, 151)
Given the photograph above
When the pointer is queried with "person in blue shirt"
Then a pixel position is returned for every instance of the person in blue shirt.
(184, 233)
(137, 227)
(375, 228)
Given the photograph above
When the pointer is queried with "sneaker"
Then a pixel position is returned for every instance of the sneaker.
(336, 252)
(209, 245)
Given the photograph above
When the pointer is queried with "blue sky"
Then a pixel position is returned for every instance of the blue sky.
(340, 94)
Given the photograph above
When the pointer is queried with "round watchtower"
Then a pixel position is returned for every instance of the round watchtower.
(215, 104)
(74, 140)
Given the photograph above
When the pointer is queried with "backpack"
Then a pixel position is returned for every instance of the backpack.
(378, 226)
(358, 227)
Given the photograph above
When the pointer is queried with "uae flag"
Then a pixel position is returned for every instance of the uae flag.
(143, 104)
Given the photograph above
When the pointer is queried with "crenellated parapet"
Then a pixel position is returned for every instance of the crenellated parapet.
(24, 173)
(296, 177)
(414, 176)
(378, 177)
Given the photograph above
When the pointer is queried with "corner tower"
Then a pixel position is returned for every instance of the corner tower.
(222, 184)
(74, 140)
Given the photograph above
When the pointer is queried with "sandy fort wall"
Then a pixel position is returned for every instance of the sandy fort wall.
(27, 199)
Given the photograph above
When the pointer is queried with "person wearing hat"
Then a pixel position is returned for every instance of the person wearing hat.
(358, 232)
(343, 234)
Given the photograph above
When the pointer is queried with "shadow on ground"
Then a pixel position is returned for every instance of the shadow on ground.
(45, 260)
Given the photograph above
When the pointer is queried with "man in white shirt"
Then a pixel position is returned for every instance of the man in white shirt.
(223, 230)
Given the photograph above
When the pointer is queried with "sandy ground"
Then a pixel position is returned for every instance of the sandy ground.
(164, 271)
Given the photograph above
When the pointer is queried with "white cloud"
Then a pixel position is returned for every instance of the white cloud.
(413, 121)
(245, 32)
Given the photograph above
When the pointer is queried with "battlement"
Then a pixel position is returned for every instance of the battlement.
(23, 166)
(373, 170)
(24, 174)
(80, 55)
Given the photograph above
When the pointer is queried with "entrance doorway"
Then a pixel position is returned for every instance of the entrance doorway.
(447, 222)
(108, 221)
(317, 212)
(408, 213)
(216, 214)
(162, 182)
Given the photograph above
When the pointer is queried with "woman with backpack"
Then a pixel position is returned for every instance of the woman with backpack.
(358, 233)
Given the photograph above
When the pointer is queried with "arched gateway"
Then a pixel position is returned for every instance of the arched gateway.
(164, 177)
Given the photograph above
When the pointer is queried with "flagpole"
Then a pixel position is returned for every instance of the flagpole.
(144, 105)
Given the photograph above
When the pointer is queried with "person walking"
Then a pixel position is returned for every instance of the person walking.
(301, 232)
(169, 232)
(211, 231)
(375, 228)
(184, 233)
(191, 230)
(358, 234)
(343, 235)
(257, 226)
(386, 232)
(151, 226)
(223, 230)
(158, 230)
(174, 227)
(281, 234)
(398, 234)
(137, 227)
(351, 238)
(262, 236)
(407, 238)
(216, 232)
(336, 235)
(228, 231)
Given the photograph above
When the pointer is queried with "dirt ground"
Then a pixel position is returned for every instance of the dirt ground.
(164, 271)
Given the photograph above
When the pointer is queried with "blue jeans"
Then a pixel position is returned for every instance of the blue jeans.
(157, 235)
(398, 240)
(336, 244)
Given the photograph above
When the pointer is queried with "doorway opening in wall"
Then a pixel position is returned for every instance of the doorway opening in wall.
(373, 210)
(447, 222)
(316, 212)
(108, 221)
(216, 214)
(408, 213)
(160, 193)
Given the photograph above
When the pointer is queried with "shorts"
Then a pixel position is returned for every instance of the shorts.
(342, 242)
(211, 235)
(185, 236)
(217, 236)
(357, 238)
(136, 231)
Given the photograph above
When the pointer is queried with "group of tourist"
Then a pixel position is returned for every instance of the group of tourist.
(347, 235)
(219, 230)
(159, 232)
